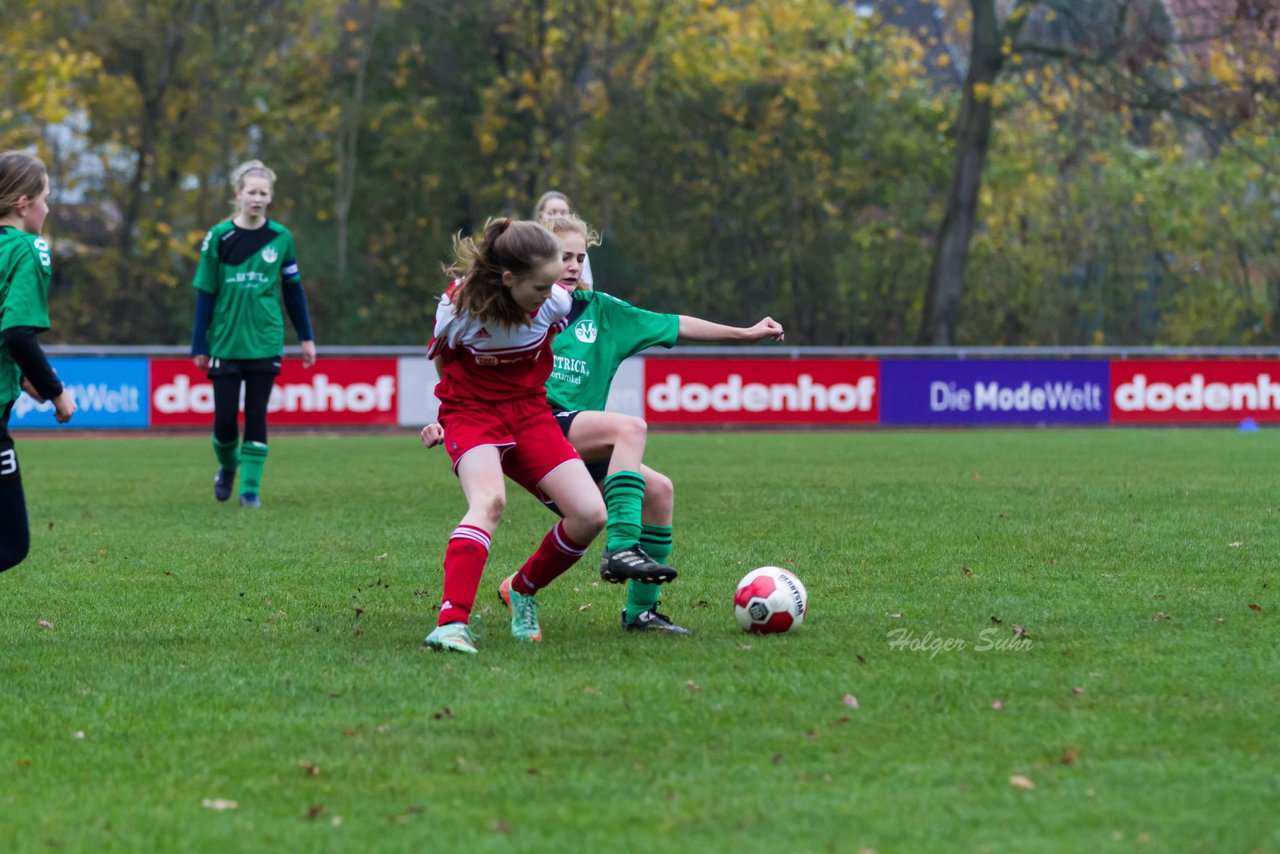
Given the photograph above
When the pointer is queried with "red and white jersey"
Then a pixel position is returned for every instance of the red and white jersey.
(482, 362)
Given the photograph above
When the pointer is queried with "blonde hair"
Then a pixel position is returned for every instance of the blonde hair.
(573, 223)
(549, 196)
(250, 168)
(20, 175)
(508, 245)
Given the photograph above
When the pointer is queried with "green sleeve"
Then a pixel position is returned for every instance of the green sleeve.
(27, 300)
(207, 271)
(635, 329)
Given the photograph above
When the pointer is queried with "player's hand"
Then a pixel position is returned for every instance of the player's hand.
(308, 353)
(64, 406)
(202, 362)
(432, 435)
(31, 390)
(767, 328)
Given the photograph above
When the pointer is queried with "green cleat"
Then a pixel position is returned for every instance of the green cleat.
(452, 637)
(524, 612)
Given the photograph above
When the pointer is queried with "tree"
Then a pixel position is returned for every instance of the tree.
(1129, 52)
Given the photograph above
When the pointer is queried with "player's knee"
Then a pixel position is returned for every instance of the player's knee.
(491, 507)
(659, 491)
(631, 432)
(592, 516)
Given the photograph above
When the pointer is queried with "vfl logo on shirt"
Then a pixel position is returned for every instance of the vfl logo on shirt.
(586, 332)
(270, 255)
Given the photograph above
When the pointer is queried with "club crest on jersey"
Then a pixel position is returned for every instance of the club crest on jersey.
(270, 255)
(586, 332)
(483, 334)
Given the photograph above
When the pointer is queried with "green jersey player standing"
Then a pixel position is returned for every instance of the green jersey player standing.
(247, 264)
(25, 264)
(604, 331)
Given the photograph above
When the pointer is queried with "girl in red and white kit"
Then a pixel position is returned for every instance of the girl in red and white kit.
(492, 347)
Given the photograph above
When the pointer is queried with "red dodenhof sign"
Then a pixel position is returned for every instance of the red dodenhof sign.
(1146, 392)
(762, 391)
(353, 392)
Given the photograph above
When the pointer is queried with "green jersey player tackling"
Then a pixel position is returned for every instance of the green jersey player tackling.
(604, 331)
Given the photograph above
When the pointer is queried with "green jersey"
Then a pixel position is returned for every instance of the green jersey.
(24, 298)
(602, 332)
(243, 269)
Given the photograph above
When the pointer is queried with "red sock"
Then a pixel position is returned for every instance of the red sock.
(463, 564)
(556, 554)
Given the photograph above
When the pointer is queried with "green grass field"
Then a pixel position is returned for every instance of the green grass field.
(162, 656)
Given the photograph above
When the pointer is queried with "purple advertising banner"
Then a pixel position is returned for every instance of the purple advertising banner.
(994, 392)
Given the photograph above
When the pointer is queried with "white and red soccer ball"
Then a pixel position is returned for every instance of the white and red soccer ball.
(770, 600)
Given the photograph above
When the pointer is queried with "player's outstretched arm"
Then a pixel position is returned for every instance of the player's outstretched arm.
(697, 329)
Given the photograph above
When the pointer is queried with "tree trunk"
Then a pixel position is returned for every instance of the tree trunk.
(348, 156)
(973, 137)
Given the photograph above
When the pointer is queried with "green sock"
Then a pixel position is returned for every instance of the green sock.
(623, 495)
(226, 452)
(253, 456)
(656, 541)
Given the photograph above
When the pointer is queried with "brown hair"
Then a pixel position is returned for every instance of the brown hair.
(508, 245)
(20, 175)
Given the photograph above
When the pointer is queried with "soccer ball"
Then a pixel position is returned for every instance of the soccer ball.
(770, 600)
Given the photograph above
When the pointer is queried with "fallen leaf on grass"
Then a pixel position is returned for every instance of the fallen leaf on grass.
(446, 712)
(1161, 616)
(382, 556)
(309, 769)
(584, 607)
(693, 686)
(500, 827)
(315, 812)
(1237, 544)
(1077, 691)
(1020, 631)
(220, 804)
(79, 734)
(997, 705)
(966, 570)
(1254, 606)
(44, 624)
(1020, 782)
(850, 701)
(1069, 758)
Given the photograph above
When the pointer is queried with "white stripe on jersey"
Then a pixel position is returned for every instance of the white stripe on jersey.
(463, 332)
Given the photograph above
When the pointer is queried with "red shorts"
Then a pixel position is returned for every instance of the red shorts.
(524, 431)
